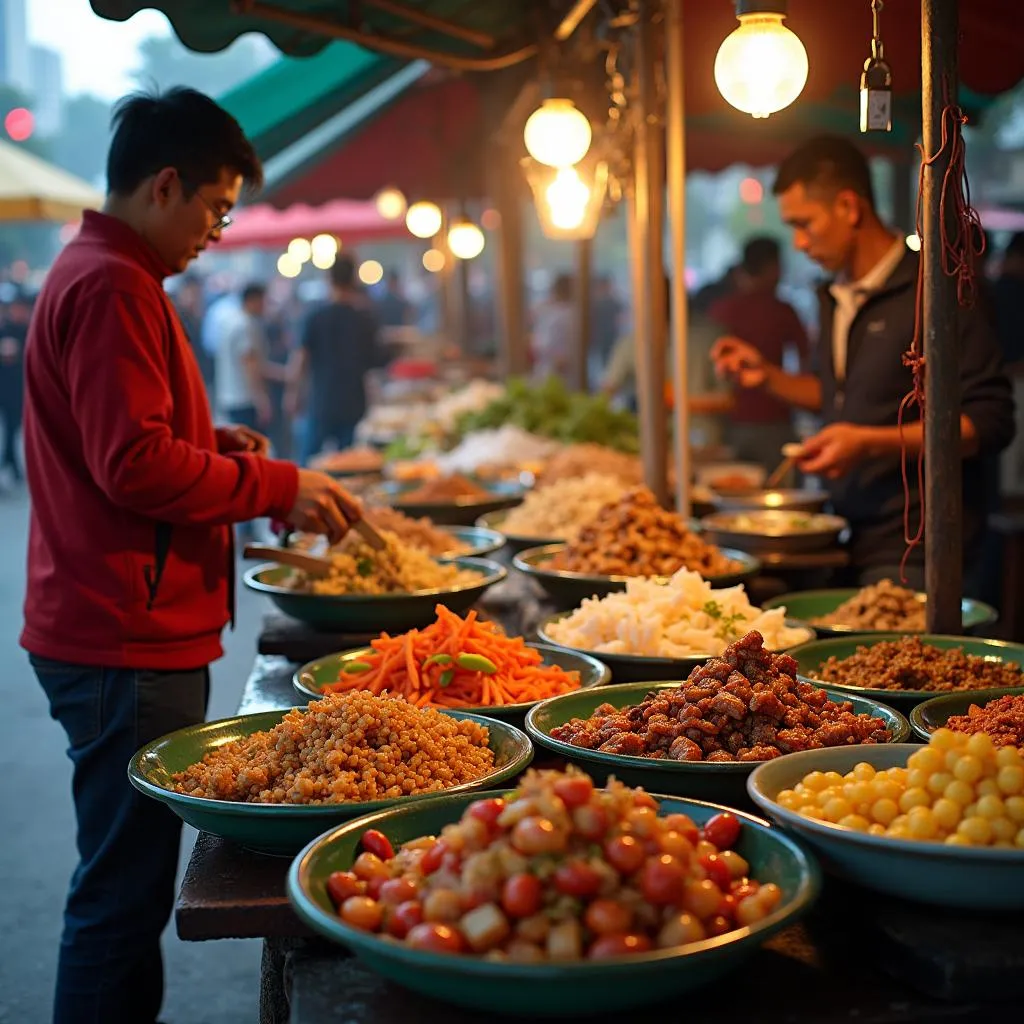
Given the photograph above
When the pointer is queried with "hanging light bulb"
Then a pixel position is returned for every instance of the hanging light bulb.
(288, 265)
(557, 133)
(300, 250)
(323, 251)
(423, 219)
(465, 239)
(390, 202)
(433, 261)
(567, 198)
(762, 66)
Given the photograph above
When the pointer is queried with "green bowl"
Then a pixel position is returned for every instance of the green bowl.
(551, 989)
(945, 876)
(373, 613)
(284, 829)
(637, 668)
(309, 679)
(935, 713)
(810, 657)
(704, 780)
(570, 589)
(812, 604)
(477, 540)
(514, 543)
(453, 512)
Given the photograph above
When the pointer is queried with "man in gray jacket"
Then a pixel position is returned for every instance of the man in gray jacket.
(867, 323)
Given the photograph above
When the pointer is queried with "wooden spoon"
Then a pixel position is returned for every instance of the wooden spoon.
(314, 565)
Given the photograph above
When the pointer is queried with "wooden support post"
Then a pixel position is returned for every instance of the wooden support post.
(584, 328)
(515, 356)
(943, 466)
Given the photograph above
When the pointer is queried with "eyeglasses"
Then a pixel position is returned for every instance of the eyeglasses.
(221, 220)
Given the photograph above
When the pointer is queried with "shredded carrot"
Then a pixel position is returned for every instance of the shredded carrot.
(398, 664)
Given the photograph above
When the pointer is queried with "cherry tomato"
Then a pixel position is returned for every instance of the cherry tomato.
(683, 824)
(341, 885)
(436, 938)
(675, 844)
(743, 888)
(377, 843)
(723, 830)
(727, 908)
(487, 811)
(433, 858)
(369, 865)
(472, 900)
(719, 925)
(396, 891)
(363, 913)
(625, 853)
(575, 790)
(644, 799)
(404, 918)
(663, 880)
(718, 871)
(535, 835)
(608, 917)
(521, 895)
(591, 821)
(577, 878)
(618, 945)
(374, 886)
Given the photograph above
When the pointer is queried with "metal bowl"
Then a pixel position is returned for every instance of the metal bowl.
(781, 531)
(792, 500)
(450, 511)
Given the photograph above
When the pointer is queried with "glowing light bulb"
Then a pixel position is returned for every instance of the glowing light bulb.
(761, 66)
(300, 250)
(423, 219)
(371, 272)
(288, 265)
(465, 239)
(324, 251)
(433, 261)
(567, 197)
(914, 242)
(391, 203)
(557, 133)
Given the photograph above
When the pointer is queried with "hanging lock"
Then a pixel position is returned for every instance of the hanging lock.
(876, 82)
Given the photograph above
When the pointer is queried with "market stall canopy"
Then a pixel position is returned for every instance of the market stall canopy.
(31, 189)
(488, 36)
(351, 222)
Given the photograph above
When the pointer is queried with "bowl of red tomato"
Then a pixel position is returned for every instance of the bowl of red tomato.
(559, 897)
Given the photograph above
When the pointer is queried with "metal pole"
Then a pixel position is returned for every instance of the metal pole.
(584, 253)
(648, 269)
(943, 466)
(675, 128)
(515, 359)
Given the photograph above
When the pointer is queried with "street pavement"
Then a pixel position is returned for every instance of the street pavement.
(207, 982)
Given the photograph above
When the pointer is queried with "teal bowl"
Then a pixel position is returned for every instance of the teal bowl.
(963, 877)
(475, 540)
(514, 543)
(284, 829)
(552, 989)
(451, 512)
(807, 605)
(723, 781)
(373, 613)
(569, 590)
(309, 680)
(636, 668)
(810, 657)
(935, 713)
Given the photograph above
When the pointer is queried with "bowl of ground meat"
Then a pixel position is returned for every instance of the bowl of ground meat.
(905, 671)
(883, 607)
(702, 737)
(999, 713)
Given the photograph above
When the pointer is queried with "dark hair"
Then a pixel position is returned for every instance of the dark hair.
(759, 254)
(180, 128)
(827, 162)
(562, 289)
(254, 290)
(343, 273)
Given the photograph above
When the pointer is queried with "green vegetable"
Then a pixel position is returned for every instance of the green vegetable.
(364, 566)
(446, 677)
(354, 668)
(438, 659)
(476, 663)
(713, 610)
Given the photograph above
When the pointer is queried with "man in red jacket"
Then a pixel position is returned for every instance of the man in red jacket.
(134, 494)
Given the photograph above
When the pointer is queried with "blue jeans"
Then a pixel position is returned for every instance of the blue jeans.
(319, 431)
(110, 970)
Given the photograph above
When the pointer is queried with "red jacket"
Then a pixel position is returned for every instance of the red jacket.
(122, 461)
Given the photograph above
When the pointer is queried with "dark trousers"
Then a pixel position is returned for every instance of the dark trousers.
(10, 415)
(110, 969)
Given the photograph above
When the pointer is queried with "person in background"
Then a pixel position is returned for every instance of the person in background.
(1007, 293)
(760, 424)
(393, 309)
(241, 364)
(704, 298)
(188, 301)
(605, 325)
(278, 331)
(867, 322)
(338, 347)
(130, 569)
(13, 334)
(553, 330)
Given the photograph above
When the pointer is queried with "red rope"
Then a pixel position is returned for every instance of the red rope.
(962, 240)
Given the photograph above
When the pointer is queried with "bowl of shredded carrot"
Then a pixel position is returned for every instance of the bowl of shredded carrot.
(457, 663)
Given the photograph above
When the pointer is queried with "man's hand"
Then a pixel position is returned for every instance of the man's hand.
(739, 362)
(835, 450)
(323, 506)
(233, 438)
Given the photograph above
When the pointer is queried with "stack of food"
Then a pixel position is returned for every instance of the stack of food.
(882, 606)
(456, 663)
(417, 533)
(670, 620)
(634, 536)
(578, 460)
(358, 568)
(350, 460)
(490, 451)
(445, 488)
(560, 510)
(346, 747)
(1002, 719)
(746, 705)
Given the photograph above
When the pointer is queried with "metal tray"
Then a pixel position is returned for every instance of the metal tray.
(774, 530)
